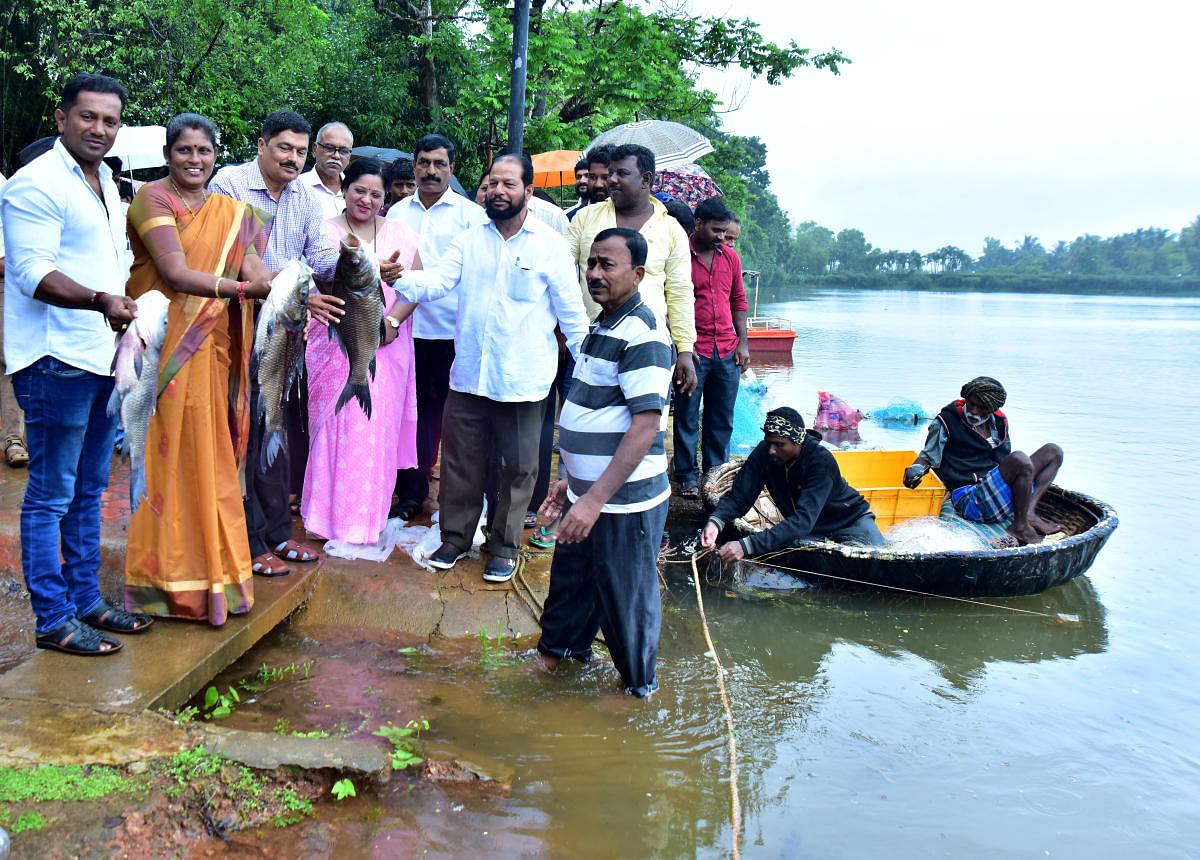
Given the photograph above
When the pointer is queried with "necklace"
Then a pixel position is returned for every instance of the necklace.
(374, 230)
(183, 199)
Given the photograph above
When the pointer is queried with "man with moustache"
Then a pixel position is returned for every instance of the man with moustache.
(969, 449)
(722, 348)
(271, 183)
(598, 158)
(513, 282)
(64, 234)
(438, 216)
(581, 188)
(330, 157)
(667, 286)
(803, 478)
(612, 505)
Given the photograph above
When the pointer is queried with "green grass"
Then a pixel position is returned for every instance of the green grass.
(63, 782)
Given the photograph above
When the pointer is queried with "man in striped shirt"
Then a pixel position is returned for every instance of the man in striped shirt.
(613, 502)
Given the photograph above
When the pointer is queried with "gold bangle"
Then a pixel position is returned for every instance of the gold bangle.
(217, 287)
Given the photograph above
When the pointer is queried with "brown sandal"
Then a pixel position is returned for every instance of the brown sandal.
(289, 550)
(268, 565)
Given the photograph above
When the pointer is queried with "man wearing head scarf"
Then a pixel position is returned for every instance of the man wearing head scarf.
(805, 484)
(969, 449)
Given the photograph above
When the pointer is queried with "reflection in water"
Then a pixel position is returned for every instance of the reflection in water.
(867, 723)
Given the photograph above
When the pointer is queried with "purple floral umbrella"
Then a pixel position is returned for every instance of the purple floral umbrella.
(687, 182)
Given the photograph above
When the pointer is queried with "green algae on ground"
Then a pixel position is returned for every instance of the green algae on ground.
(28, 821)
(63, 782)
(198, 772)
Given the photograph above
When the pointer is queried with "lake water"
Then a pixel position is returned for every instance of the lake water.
(868, 725)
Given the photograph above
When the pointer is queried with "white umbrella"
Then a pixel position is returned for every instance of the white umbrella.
(140, 146)
(672, 143)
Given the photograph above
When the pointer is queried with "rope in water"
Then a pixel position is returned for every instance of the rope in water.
(764, 558)
(735, 806)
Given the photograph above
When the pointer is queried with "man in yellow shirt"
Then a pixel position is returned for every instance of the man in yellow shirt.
(667, 286)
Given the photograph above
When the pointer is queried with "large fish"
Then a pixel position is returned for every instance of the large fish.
(135, 391)
(356, 282)
(278, 355)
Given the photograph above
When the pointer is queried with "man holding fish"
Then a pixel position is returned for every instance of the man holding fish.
(270, 182)
(64, 291)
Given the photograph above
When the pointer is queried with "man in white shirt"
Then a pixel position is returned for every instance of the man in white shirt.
(12, 422)
(438, 216)
(331, 154)
(64, 292)
(514, 281)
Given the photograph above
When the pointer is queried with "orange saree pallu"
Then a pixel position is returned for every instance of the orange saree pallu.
(188, 554)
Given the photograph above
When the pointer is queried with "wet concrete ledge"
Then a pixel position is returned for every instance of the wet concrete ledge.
(161, 668)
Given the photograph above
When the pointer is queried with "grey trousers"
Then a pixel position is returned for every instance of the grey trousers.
(475, 432)
(12, 420)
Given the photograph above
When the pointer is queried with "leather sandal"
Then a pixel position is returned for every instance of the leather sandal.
(289, 550)
(108, 617)
(268, 565)
(75, 637)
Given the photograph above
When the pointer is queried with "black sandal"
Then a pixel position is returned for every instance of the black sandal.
(405, 509)
(75, 637)
(107, 617)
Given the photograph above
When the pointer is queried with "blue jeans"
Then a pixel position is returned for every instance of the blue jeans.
(717, 384)
(70, 439)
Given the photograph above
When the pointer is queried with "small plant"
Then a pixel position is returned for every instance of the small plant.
(284, 727)
(218, 705)
(182, 715)
(491, 655)
(28, 821)
(342, 789)
(274, 674)
(371, 691)
(403, 751)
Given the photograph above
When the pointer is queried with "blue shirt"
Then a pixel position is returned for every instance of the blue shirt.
(54, 221)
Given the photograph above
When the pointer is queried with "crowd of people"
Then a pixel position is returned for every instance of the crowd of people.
(504, 317)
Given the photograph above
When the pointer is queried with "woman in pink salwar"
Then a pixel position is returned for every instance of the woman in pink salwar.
(352, 459)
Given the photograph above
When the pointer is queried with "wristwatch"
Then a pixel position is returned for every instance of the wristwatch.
(395, 322)
(383, 326)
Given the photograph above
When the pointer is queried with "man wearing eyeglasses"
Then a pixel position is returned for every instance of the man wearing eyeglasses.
(330, 157)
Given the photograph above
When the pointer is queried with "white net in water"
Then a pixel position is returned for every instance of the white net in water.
(932, 534)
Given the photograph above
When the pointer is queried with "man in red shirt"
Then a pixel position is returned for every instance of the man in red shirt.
(721, 347)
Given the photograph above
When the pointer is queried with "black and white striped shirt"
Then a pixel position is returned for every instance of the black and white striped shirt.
(624, 368)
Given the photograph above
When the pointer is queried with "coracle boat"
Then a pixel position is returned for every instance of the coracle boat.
(988, 572)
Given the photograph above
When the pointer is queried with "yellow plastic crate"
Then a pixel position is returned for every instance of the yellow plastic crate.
(879, 476)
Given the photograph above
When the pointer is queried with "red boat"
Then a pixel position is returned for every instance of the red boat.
(767, 334)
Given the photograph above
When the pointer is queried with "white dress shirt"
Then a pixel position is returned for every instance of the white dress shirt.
(53, 221)
(437, 227)
(332, 202)
(510, 294)
(549, 214)
(2, 181)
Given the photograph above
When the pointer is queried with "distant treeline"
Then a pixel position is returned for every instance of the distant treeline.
(1149, 261)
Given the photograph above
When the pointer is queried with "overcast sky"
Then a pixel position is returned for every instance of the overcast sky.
(961, 120)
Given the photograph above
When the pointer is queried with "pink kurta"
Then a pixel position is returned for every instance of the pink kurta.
(352, 459)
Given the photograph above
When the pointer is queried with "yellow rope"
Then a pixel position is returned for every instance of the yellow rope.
(735, 806)
(763, 558)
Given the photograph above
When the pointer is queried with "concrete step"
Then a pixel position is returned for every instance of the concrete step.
(163, 667)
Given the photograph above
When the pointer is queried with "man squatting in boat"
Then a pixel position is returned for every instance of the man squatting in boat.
(969, 448)
(806, 485)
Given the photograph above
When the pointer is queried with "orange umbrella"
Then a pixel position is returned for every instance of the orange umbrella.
(555, 169)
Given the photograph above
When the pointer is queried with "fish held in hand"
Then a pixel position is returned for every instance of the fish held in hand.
(135, 389)
(278, 356)
(356, 282)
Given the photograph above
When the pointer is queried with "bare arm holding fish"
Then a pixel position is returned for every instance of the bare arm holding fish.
(62, 292)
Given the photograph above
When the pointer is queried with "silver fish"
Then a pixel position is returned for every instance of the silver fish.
(278, 355)
(356, 282)
(135, 391)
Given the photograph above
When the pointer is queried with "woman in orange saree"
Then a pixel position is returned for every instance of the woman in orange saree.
(188, 554)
